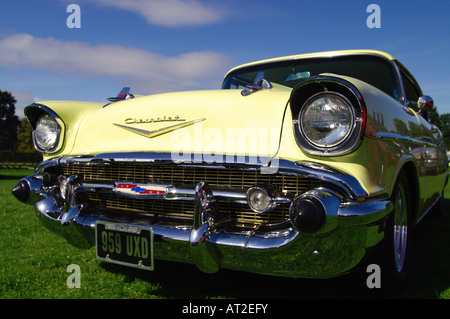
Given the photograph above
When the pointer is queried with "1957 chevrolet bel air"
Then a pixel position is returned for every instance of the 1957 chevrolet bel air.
(297, 167)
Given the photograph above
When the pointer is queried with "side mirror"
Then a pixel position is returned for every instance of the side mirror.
(423, 102)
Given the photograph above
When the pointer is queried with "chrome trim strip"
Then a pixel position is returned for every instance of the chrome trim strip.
(425, 213)
(398, 137)
(266, 164)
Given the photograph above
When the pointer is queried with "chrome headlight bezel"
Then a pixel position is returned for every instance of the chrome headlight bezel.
(47, 133)
(326, 120)
(350, 102)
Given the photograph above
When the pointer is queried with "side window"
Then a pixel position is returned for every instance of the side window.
(411, 91)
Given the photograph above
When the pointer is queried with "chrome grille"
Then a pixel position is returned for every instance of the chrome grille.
(240, 214)
(188, 175)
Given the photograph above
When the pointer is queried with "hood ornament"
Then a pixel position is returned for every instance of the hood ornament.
(123, 95)
(260, 83)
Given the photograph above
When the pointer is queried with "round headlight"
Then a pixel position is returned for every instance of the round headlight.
(46, 134)
(326, 119)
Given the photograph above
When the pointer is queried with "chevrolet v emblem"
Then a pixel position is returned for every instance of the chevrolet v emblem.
(164, 130)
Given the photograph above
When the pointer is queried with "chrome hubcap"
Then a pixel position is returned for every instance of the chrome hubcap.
(400, 228)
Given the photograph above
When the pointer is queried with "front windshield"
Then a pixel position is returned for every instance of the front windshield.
(371, 69)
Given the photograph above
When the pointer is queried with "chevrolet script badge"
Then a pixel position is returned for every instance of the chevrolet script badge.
(164, 130)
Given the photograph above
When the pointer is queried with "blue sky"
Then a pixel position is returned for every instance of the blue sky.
(158, 46)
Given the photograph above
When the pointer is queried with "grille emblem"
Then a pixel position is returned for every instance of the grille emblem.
(140, 189)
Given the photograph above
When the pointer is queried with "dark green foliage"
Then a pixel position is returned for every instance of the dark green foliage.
(9, 122)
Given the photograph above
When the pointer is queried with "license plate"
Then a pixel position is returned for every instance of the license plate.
(124, 244)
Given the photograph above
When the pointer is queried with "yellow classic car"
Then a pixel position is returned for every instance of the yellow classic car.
(299, 166)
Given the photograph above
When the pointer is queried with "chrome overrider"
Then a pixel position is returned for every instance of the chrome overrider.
(345, 220)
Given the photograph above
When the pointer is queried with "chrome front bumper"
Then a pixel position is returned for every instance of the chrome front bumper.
(353, 223)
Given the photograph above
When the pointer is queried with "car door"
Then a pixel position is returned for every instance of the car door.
(428, 157)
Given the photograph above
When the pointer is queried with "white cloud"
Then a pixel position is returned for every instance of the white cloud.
(170, 13)
(23, 99)
(135, 67)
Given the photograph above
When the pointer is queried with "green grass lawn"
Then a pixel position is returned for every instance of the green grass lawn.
(34, 261)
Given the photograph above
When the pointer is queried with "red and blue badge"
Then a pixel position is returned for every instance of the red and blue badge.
(140, 189)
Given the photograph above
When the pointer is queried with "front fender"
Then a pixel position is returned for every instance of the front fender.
(68, 114)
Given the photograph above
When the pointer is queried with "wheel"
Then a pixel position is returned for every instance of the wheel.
(396, 246)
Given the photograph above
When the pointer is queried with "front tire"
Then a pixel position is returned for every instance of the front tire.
(396, 246)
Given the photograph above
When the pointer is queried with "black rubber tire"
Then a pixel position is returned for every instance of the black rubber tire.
(396, 246)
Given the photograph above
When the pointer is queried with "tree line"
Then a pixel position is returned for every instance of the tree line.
(443, 122)
(16, 144)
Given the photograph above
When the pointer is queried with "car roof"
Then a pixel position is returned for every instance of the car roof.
(315, 55)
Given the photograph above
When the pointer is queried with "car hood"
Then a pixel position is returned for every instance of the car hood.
(213, 123)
